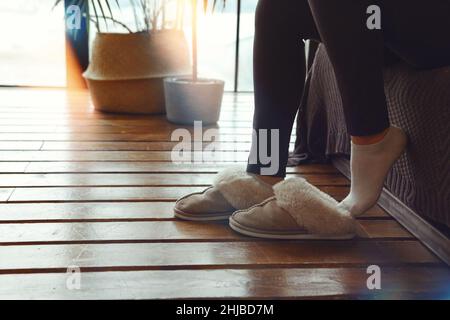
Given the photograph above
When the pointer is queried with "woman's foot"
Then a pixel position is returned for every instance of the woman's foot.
(297, 211)
(369, 165)
(233, 189)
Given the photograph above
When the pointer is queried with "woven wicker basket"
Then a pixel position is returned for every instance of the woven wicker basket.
(127, 70)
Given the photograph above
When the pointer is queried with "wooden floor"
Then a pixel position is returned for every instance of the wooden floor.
(95, 191)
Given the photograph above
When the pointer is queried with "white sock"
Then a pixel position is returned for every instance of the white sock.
(369, 165)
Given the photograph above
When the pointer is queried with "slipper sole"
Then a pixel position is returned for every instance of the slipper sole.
(196, 217)
(239, 228)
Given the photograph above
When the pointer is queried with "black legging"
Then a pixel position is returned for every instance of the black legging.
(417, 31)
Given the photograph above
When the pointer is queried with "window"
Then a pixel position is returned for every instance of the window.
(217, 44)
(33, 53)
(246, 35)
(32, 46)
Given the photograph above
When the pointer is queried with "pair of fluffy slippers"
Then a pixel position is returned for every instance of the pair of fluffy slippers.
(292, 209)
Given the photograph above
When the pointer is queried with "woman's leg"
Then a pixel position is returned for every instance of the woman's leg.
(279, 72)
(279, 79)
(415, 31)
(356, 53)
(357, 57)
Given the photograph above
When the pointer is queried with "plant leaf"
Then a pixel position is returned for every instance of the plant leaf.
(103, 14)
(109, 8)
(97, 25)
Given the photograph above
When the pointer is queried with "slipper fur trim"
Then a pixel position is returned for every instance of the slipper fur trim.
(241, 189)
(313, 209)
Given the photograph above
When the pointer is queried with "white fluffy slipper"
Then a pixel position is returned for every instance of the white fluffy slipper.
(233, 189)
(298, 210)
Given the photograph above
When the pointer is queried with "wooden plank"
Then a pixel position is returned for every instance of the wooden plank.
(13, 167)
(211, 255)
(152, 136)
(150, 132)
(106, 118)
(38, 233)
(137, 179)
(31, 156)
(101, 193)
(69, 121)
(87, 211)
(403, 252)
(382, 228)
(101, 211)
(227, 120)
(81, 105)
(154, 231)
(123, 193)
(104, 129)
(151, 167)
(398, 282)
(20, 145)
(14, 113)
(66, 101)
(116, 179)
(29, 126)
(5, 193)
(136, 146)
(78, 111)
(118, 145)
(375, 213)
(84, 103)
